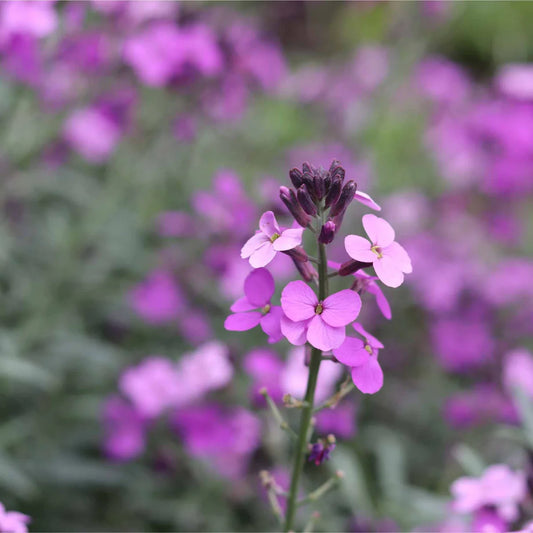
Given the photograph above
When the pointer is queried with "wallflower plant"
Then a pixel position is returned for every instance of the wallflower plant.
(310, 314)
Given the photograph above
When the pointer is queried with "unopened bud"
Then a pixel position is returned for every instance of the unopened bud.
(295, 176)
(336, 171)
(305, 201)
(298, 254)
(288, 197)
(327, 233)
(334, 191)
(346, 196)
(319, 185)
(306, 270)
(306, 167)
(352, 266)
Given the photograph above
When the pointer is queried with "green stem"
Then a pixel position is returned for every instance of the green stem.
(307, 411)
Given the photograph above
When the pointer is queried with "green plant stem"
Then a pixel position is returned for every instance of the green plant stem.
(307, 411)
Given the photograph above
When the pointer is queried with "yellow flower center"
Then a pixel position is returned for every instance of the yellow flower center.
(265, 309)
(319, 308)
(368, 348)
(274, 237)
(377, 250)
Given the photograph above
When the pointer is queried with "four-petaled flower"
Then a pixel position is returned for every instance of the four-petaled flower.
(270, 239)
(254, 308)
(321, 323)
(390, 260)
(362, 358)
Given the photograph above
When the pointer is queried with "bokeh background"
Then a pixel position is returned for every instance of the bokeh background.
(141, 141)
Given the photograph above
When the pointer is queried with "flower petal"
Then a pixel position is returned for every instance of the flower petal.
(368, 378)
(388, 272)
(295, 332)
(241, 305)
(381, 300)
(400, 256)
(268, 224)
(359, 248)
(365, 199)
(290, 238)
(252, 244)
(298, 300)
(341, 308)
(259, 287)
(242, 321)
(375, 343)
(270, 324)
(352, 352)
(379, 230)
(324, 337)
(263, 255)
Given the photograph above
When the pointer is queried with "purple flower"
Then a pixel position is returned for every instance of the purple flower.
(320, 452)
(37, 19)
(270, 239)
(13, 521)
(125, 430)
(516, 81)
(321, 323)
(340, 421)
(254, 308)
(518, 371)
(390, 260)
(158, 298)
(92, 134)
(362, 358)
(365, 199)
(498, 486)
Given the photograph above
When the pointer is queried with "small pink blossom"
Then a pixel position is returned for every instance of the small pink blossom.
(270, 239)
(254, 308)
(390, 260)
(13, 521)
(362, 358)
(321, 323)
(365, 199)
(518, 371)
(498, 486)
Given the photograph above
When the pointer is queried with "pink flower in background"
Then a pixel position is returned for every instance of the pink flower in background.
(174, 224)
(389, 258)
(362, 358)
(365, 199)
(255, 308)
(322, 324)
(270, 239)
(516, 81)
(158, 298)
(125, 430)
(518, 371)
(92, 134)
(498, 486)
(13, 521)
(37, 19)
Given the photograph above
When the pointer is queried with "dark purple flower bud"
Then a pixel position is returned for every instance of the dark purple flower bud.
(319, 185)
(305, 268)
(306, 167)
(288, 197)
(327, 233)
(298, 254)
(296, 177)
(336, 171)
(346, 196)
(320, 451)
(351, 266)
(334, 192)
(304, 198)
(308, 181)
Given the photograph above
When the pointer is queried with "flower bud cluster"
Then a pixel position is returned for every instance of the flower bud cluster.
(315, 191)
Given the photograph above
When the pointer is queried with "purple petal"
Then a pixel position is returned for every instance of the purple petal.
(242, 321)
(388, 272)
(263, 255)
(270, 324)
(365, 199)
(241, 305)
(399, 255)
(294, 331)
(381, 300)
(352, 352)
(341, 308)
(324, 337)
(252, 244)
(359, 248)
(259, 287)
(298, 300)
(290, 238)
(368, 378)
(379, 230)
(375, 343)
(268, 224)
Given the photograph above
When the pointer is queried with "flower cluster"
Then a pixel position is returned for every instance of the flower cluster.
(13, 521)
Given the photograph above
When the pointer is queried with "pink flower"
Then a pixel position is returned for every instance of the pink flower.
(365, 199)
(362, 358)
(518, 371)
(38, 19)
(270, 239)
(390, 260)
(13, 521)
(321, 323)
(254, 308)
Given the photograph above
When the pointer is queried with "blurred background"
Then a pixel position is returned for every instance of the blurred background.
(140, 143)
